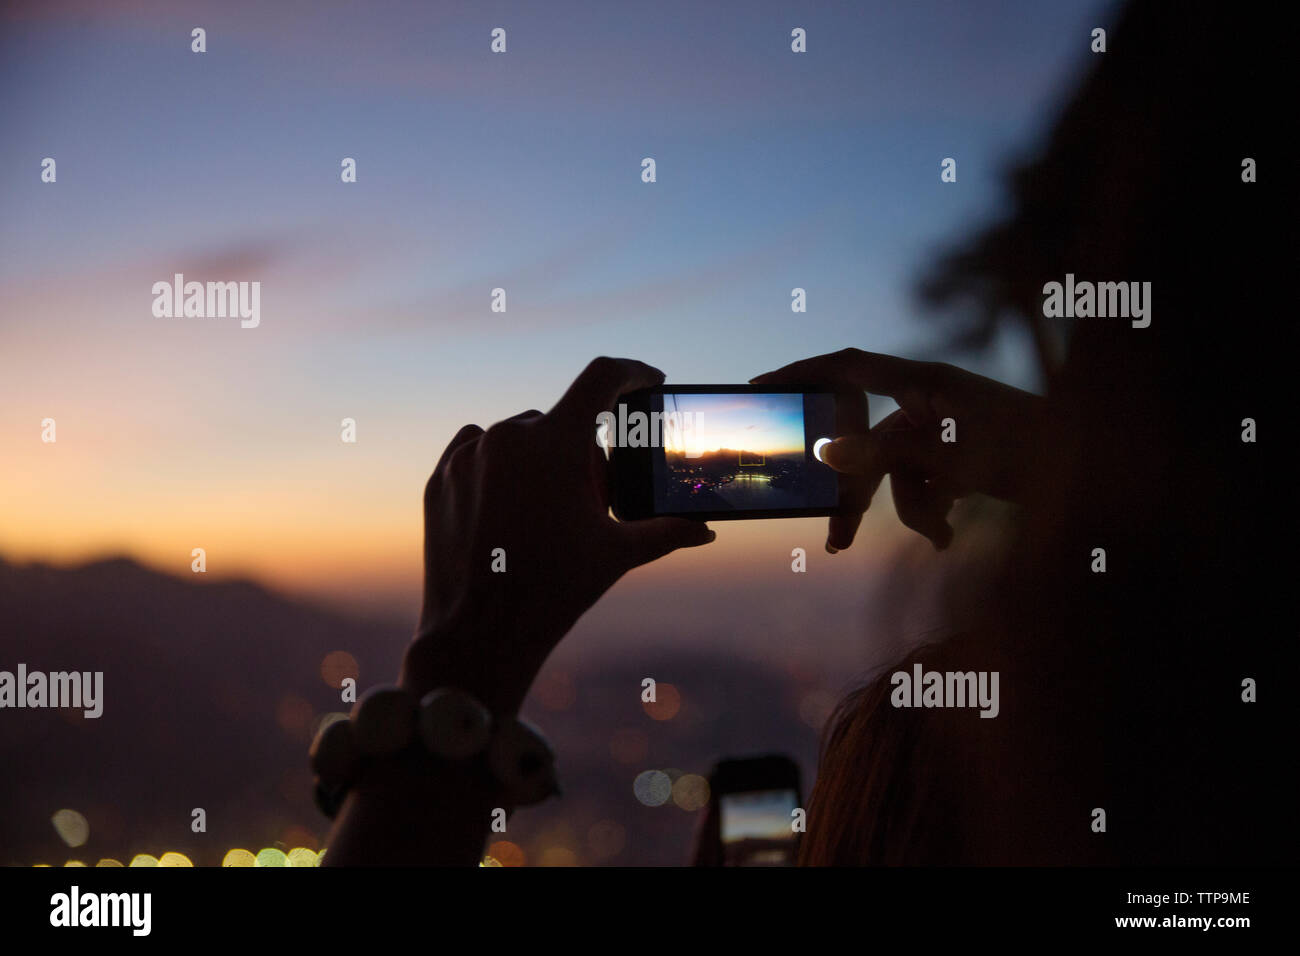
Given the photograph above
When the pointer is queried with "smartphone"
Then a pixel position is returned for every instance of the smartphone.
(756, 802)
(717, 452)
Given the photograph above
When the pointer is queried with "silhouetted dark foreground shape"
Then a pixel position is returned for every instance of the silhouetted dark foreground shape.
(1121, 690)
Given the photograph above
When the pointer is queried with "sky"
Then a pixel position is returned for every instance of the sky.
(767, 424)
(475, 171)
(760, 814)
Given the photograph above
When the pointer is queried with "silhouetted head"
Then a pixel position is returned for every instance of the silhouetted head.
(1115, 685)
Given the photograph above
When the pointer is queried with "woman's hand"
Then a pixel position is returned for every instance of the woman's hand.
(996, 430)
(519, 543)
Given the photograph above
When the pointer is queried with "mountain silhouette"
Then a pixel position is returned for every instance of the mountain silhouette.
(211, 692)
(198, 678)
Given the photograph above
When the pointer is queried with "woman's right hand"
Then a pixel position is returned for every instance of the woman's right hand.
(996, 428)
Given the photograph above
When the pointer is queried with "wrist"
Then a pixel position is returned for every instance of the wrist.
(426, 774)
(495, 664)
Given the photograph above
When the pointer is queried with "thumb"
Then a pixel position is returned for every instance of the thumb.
(644, 541)
(887, 450)
(853, 454)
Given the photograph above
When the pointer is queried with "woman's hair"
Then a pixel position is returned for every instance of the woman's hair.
(1122, 690)
(888, 787)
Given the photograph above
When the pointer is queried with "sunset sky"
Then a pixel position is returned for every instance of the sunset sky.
(475, 171)
(766, 424)
(763, 814)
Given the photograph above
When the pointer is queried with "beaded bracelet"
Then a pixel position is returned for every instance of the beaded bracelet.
(450, 723)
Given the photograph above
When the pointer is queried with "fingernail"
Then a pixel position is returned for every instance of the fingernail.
(711, 536)
(830, 548)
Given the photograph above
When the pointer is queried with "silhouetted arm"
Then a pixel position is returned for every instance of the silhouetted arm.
(518, 544)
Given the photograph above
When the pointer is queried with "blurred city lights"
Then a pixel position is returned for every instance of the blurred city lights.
(298, 856)
(507, 853)
(337, 666)
(558, 856)
(666, 703)
(71, 826)
(270, 856)
(653, 788)
(301, 856)
(691, 792)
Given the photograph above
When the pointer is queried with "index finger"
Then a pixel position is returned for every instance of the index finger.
(854, 368)
(592, 392)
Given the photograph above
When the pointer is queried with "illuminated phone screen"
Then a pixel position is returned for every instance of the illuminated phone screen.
(743, 452)
(756, 827)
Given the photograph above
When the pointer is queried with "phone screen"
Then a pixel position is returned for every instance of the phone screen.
(753, 452)
(756, 827)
